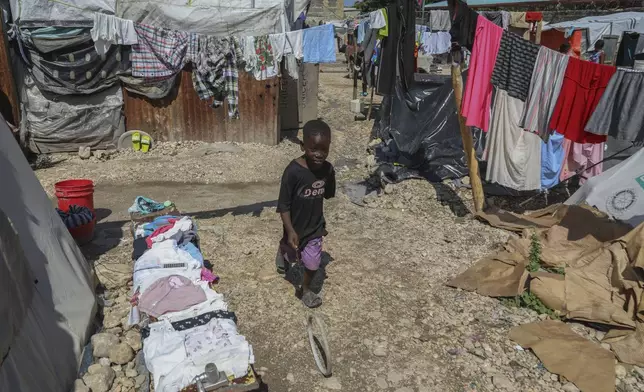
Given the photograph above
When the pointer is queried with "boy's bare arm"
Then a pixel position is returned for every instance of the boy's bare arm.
(293, 239)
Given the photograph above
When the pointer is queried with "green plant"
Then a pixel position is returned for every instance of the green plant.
(534, 258)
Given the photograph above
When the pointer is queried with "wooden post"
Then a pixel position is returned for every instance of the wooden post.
(466, 134)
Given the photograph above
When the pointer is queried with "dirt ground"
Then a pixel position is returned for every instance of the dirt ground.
(393, 324)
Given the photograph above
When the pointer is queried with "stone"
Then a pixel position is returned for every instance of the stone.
(79, 386)
(131, 373)
(117, 368)
(114, 276)
(114, 317)
(502, 382)
(380, 350)
(554, 377)
(102, 342)
(125, 382)
(332, 383)
(570, 387)
(605, 346)
(389, 189)
(133, 338)
(395, 377)
(382, 383)
(465, 180)
(99, 379)
(290, 378)
(104, 362)
(404, 389)
(84, 152)
(121, 354)
(139, 380)
(620, 371)
(101, 154)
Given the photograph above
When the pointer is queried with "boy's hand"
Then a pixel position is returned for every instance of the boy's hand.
(293, 239)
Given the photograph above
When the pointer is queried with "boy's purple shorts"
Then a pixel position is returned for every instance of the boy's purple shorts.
(311, 255)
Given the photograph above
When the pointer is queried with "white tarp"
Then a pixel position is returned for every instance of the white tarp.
(48, 309)
(619, 191)
(599, 26)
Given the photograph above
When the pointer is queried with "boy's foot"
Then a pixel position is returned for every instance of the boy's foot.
(309, 298)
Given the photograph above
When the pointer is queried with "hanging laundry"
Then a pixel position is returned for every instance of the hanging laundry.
(545, 86)
(384, 31)
(477, 97)
(170, 294)
(627, 49)
(436, 42)
(584, 158)
(518, 20)
(533, 16)
(440, 21)
(505, 15)
(110, 30)
(552, 160)
(513, 155)
(258, 57)
(639, 48)
(584, 83)
(159, 52)
(465, 26)
(377, 19)
(363, 27)
(495, 17)
(287, 43)
(620, 112)
(514, 65)
(215, 73)
(319, 44)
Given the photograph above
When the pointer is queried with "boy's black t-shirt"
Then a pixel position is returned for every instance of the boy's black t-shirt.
(302, 192)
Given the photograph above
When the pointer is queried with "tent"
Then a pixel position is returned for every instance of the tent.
(599, 26)
(619, 191)
(47, 304)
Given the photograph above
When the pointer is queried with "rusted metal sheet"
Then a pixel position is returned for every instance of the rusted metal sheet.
(183, 116)
(9, 104)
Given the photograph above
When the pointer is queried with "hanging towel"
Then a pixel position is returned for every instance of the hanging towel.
(552, 157)
(620, 112)
(159, 53)
(110, 30)
(477, 98)
(436, 42)
(287, 43)
(514, 65)
(258, 56)
(584, 83)
(377, 19)
(319, 44)
(545, 86)
(440, 21)
(513, 155)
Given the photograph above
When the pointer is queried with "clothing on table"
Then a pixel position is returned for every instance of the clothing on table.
(627, 48)
(440, 21)
(514, 65)
(579, 157)
(162, 260)
(287, 43)
(144, 205)
(310, 255)
(620, 112)
(110, 30)
(170, 294)
(584, 83)
(377, 19)
(465, 25)
(302, 193)
(175, 357)
(545, 85)
(159, 53)
(513, 155)
(214, 302)
(477, 97)
(215, 74)
(436, 42)
(193, 251)
(139, 247)
(552, 159)
(182, 231)
(193, 322)
(318, 44)
(258, 56)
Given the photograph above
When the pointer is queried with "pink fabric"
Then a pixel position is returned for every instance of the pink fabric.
(477, 98)
(208, 276)
(170, 294)
(160, 230)
(580, 156)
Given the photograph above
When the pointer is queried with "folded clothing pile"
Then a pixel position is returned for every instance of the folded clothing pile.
(76, 216)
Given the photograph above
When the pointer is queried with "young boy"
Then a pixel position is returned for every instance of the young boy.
(598, 55)
(306, 182)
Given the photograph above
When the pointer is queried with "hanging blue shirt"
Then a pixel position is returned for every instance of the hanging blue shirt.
(552, 157)
(318, 44)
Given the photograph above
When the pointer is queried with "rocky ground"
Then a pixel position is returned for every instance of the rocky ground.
(393, 324)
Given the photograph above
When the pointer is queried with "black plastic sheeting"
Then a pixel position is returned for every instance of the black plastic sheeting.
(421, 134)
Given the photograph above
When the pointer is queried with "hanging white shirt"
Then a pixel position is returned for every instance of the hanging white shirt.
(377, 19)
(287, 43)
(110, 30)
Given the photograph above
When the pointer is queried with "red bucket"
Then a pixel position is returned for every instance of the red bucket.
(75, 192)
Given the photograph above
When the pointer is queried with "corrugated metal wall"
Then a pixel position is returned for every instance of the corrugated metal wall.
(183, 116)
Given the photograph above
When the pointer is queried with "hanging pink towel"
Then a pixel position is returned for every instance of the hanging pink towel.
(477, 98)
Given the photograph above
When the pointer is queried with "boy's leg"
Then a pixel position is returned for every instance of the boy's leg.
(311, 258)
(285, 256)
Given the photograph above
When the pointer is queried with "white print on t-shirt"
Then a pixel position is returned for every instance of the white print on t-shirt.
(316, 190)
